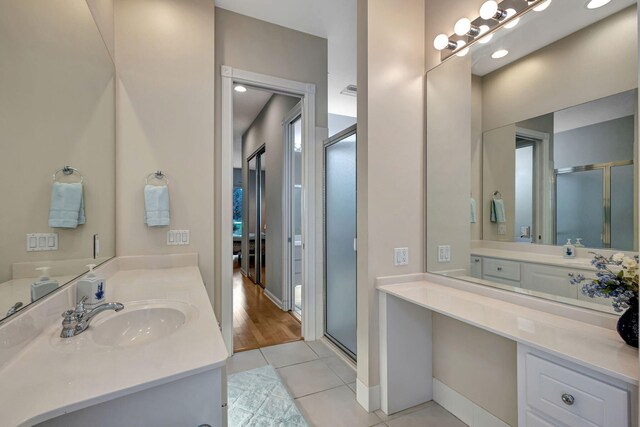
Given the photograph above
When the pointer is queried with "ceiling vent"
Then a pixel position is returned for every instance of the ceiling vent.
(351, 90)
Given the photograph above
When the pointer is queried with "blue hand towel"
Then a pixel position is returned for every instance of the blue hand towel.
(156, 205)
(474, 212)
(67, 205)
(497, 211)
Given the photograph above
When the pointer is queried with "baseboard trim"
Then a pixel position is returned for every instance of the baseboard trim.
(368, 397)
(464, 409)
(273, 298)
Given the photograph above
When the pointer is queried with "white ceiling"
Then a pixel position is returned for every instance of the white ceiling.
(334, 20)
(561, 18)
(246, 107)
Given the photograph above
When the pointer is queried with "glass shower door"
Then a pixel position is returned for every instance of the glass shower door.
(579, 207)
(340, 234)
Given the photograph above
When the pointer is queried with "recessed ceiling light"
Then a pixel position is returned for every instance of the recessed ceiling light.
(594, 4)
(240, 88)
(542, 6)
(499, 54)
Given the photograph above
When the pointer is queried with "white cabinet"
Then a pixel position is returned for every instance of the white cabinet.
(554, 392)
(550, 280)
(501, 271)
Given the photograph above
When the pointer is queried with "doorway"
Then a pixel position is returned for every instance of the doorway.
(259, 263)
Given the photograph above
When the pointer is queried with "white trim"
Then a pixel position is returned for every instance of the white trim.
(464, 409)
(273, 298)
(368, 397)
(307, 92)
(287, 197)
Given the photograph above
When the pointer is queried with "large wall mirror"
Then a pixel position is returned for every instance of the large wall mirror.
(532, 140)
(57, 129)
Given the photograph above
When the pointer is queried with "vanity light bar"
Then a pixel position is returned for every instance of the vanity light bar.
(492, 17)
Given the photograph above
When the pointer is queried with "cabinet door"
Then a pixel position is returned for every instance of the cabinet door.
(550, 280)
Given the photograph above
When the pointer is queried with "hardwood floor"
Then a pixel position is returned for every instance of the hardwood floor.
(257, 321)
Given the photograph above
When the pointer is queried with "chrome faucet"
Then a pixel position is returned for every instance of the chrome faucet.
(14, 308)
(77, 321)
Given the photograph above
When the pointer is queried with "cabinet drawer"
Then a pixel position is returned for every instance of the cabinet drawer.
(534, 420)
(500, 268)
(573, 398)
(475, 267)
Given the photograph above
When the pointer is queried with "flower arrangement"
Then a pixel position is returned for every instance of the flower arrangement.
(616, 278)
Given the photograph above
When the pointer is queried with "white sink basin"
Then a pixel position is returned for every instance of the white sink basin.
(140, 323)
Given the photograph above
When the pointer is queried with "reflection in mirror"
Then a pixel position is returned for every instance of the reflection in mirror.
(57, 167)
(552, 146)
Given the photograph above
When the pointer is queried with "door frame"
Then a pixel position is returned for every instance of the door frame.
(307, 93)
(287, 204)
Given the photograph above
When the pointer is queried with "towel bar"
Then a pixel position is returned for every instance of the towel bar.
(68, 170)
(159, 175)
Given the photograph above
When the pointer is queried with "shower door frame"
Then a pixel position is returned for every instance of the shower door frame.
(606, 195)
(351, 130)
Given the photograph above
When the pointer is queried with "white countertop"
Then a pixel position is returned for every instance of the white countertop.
(591, 346)
(537, 258)
(47, 379)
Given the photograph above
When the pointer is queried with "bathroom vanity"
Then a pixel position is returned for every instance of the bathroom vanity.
(160, 361)
(569, 372)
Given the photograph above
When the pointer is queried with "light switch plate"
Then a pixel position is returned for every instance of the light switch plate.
(444, 253)
(178, 237)
(401, 256)
(38, 242)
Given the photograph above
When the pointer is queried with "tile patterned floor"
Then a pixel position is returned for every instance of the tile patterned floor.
(323, 386)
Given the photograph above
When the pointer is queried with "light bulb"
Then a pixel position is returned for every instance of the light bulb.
(464, 51)
(542, 6)
(499, 54)
(240, 88)
(594, 4)
(483, 30)
(441, 42)
(462, 27)
(513, 22)
(488, 9)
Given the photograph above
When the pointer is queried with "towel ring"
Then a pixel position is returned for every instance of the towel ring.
(68, 170)
(497, 195)
(159, 175)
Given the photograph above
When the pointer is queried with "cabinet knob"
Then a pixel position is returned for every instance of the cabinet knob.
(499, 268)
(567, 399)
(476, 260)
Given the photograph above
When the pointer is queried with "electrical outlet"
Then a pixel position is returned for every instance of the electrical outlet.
(502, 229)
(444, 253)
(177, 237)
(401, 256)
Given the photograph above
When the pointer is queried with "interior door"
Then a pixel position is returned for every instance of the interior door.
(340, 240)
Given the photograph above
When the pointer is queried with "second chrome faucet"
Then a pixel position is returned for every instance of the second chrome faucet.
(77, 321)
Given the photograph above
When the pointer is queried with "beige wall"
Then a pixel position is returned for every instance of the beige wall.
(102, 11)
(575, 70)
(165, 64)
(498, 174)
(56, 108)
(390, 177)
(252, 45)
(477, 364)
(267, 130)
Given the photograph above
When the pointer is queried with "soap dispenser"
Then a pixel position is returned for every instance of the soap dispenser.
(91, 287)
(569, 250)
(579, 243)
(43, 285)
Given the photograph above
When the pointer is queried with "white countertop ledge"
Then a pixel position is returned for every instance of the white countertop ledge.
(46, 380)
(591, 346)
